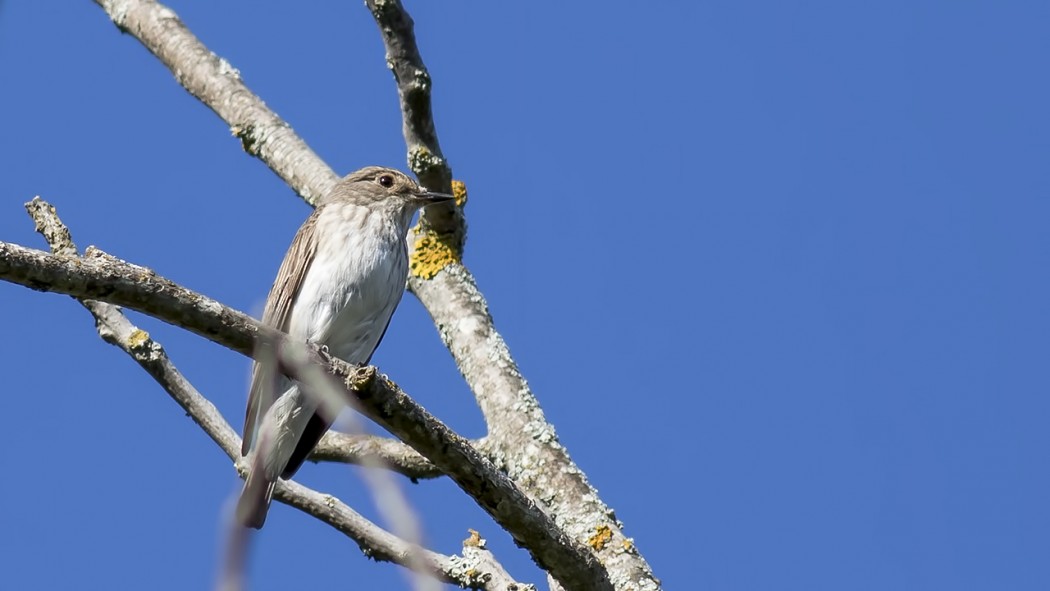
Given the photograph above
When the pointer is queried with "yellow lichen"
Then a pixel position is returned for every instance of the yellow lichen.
(138, 338)
(602, 536)
(360, 378)
(459, 191)
(421, 161)
(430, 254)
(474, 539)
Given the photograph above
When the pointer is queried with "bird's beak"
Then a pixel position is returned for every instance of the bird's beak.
(429, 197)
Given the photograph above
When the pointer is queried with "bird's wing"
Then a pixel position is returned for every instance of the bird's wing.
(277, 314)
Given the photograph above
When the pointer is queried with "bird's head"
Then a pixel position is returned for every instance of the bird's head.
(385, 189)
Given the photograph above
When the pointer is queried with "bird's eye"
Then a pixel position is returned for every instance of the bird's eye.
(386, 180)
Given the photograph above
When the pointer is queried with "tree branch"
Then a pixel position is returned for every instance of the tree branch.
(100, 276)
(372, 450)
(472, 570)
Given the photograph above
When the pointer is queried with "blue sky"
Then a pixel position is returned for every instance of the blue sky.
(777, 272)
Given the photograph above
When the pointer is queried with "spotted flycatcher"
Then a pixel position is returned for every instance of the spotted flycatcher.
(339, 283)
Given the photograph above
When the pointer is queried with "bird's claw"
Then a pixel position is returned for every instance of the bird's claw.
(326, 355)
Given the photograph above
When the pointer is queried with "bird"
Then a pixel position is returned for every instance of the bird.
(338, 286)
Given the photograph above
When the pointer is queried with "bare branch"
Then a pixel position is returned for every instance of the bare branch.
(99, 276)
(389, 453)
(375, 542)
(366, 449)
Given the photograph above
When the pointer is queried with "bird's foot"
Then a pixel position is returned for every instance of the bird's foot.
(325, 354)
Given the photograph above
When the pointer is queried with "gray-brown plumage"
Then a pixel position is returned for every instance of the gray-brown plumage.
(338, 286)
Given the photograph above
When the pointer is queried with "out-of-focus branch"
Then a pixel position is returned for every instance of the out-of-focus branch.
(100, 276)
(470, 570)
(521, 437)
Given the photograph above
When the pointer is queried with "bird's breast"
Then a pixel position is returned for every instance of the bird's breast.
(352, 287)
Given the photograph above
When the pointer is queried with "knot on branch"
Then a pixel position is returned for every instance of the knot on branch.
(249, 141)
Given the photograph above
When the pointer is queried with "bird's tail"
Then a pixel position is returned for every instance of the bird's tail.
(255, 499)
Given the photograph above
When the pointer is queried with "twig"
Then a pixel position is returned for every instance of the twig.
(115, 328)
